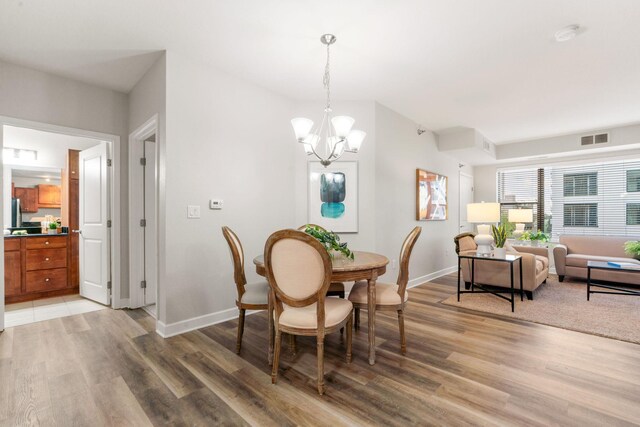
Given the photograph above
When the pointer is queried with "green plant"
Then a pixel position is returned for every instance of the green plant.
(499, 235)
(330, 241)
(632, 247)
(535, 235)
(53, 225)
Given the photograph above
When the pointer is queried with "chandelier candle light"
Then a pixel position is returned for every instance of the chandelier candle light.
(334, 132)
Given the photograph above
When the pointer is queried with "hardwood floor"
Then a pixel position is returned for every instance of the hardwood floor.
(110, 368)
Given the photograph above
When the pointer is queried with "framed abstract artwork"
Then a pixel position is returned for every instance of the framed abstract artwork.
(431, 196)
(333, 196)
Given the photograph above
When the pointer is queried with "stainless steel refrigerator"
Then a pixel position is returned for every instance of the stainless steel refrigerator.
(16, 213)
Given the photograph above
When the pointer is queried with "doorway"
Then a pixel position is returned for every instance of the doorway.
(143, 207)
(53, 264)
(466, 197)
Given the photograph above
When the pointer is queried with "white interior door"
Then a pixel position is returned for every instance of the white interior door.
(466, 197)
(150, 234)
(94, 232)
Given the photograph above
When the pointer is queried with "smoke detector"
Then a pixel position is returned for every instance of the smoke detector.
(566, 33)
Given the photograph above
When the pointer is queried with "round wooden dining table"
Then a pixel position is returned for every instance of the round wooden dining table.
(365, 266)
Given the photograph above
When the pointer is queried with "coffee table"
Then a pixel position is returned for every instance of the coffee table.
(602, 265)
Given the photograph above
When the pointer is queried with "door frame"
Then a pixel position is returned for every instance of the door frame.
(114, 149)
(460, 207)
(136, 205)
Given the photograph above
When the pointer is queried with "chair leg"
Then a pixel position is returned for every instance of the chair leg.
(276, 357)
(403, 338)
(349, 337)
(357, 318)
(320, 365)
(292, 344)
(240, 330)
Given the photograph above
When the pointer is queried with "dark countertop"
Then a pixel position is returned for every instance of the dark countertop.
(37, 235)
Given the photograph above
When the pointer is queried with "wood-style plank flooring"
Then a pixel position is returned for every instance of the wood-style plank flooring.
(462, 368)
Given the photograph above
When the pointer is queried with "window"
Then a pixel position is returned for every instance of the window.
(633, 181)
(581, 184)
(581, 215)
(633, 213)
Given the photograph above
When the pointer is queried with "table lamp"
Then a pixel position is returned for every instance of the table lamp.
(483, 214)
(520, 216)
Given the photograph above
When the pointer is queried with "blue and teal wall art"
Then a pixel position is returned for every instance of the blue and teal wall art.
(333, 196)
(333, 191)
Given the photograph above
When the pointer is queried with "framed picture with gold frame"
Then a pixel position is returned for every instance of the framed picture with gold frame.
(431, 196)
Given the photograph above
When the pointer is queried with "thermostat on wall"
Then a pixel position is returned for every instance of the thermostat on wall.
(216, 203)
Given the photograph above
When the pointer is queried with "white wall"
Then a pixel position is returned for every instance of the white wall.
(399, 152)
(227, 139)
(41, 97)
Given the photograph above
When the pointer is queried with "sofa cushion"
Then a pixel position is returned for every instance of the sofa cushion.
(595, 245)
(576, 260)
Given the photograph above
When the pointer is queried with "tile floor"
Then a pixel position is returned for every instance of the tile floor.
(50, 308)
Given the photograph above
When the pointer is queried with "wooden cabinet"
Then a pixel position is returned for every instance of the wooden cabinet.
(48, 196)
(12, 267)
(28, 199)
(73, 164)
(70, 211)
(37, 267)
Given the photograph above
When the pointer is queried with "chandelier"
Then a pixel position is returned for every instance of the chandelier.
(334, 132)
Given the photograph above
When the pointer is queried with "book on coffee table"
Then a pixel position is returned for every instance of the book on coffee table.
(624, 264)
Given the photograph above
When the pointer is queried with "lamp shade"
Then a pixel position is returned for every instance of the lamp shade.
(310, 143)
(301, 127)
(520, 215)
(483, 213)
(354, 140)
(342, 125)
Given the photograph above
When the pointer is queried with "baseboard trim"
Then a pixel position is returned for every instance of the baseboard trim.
(177, 328)
(431, 276)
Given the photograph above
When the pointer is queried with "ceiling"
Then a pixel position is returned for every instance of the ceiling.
(492, 65)
(31, 139)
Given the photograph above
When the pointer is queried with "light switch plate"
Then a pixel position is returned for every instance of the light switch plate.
(193, 211)
(216, 203)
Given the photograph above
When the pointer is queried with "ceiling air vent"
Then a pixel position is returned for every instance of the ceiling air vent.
(586, 140)
(486, 146)
(601, 138)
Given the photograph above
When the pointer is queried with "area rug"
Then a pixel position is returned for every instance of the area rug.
(565, 305)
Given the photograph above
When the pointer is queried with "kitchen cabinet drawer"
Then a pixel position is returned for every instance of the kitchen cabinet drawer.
(46, 242)
(11, 244)
(46, 280)
(42, 259)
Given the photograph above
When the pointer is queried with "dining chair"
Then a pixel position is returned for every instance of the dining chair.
(254, 296)
(298, 270)
(337, 288)
(389, 296)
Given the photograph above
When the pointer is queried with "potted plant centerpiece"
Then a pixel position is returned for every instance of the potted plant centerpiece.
(330, 241)
(632, 248)
(535, 237)
(499, 238)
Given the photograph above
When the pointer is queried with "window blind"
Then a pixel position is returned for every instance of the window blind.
(519, 189)
(596, 199)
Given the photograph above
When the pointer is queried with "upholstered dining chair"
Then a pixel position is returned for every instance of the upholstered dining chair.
(389, 296)
(299, 273)
(337, 288)
(254, 296)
